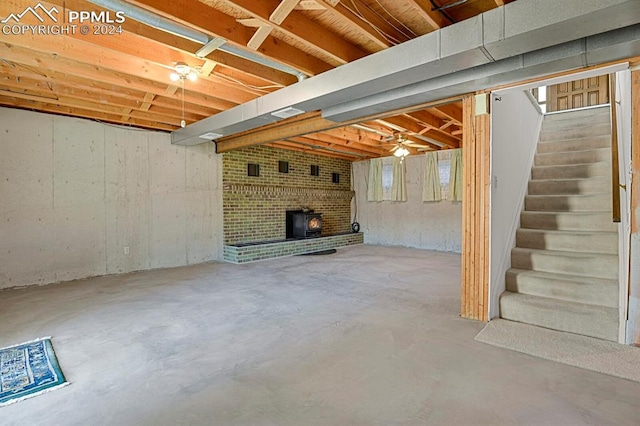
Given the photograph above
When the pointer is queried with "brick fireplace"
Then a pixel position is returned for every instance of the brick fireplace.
(255, 207)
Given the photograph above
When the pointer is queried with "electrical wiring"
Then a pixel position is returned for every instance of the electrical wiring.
(249, 86)
(357, 13)
(397, 20)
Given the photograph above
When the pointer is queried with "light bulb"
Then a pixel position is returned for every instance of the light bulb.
(174, 77)
(192, 76)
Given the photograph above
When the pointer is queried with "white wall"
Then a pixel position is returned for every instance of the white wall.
(414, 223)
(74, 193)
(624, 112)
(515, 126)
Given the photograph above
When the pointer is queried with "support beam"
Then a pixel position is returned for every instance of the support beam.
(296, 126)
(475, 212)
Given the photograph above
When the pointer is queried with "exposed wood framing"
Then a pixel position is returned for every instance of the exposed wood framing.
(300, 28)
(424, 9)
(475, 213)
(282, 11)
(211, 21)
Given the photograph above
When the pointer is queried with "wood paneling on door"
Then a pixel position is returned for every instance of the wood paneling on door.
(578, 94)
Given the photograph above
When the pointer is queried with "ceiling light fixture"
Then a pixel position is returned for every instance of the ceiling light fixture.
(401, 152)
(181, 73)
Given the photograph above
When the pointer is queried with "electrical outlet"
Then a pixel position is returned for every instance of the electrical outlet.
(126, 250)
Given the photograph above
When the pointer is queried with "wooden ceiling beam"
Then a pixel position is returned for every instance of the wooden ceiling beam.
(59, 47)
(38, 60)
(247, 68)
(96, 107)
(217, 24)
(309, 5)
(427, 119)
(302, 29)
(338, 11)
(77, 112)
(339, 144)
(328, 138)
(338, 148)
(69, 96)
(434, 18)
(451, 111)
(412, 126)
(311, 122)
(308, 150)
(54, 82)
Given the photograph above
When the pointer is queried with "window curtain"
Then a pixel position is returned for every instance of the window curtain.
(431, 190)
(374, 189)
(455, 176)
(399, 188)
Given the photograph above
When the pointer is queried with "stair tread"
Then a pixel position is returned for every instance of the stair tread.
(606, 163)
(564, 277)
(571, 232)
(567, 306)
(557, 304)
(568, 253)
(601, 177)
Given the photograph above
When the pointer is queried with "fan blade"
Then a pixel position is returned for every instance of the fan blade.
(394, 148)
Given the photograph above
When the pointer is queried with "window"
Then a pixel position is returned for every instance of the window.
(387, 178)
(444, 168)
(283, 166)
(253, 169)
(315, 170)
(335, 177)
(540, 93)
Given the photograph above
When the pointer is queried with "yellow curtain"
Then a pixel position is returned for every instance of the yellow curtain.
(431, 190)
(374, 187)
(455, 176)
(399, 188)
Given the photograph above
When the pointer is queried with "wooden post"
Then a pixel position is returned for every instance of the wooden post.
(475, 211)
(633, 325)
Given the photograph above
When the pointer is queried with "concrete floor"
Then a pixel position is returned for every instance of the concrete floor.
(367, 336)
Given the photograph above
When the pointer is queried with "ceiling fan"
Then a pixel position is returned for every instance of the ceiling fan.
(401, 145)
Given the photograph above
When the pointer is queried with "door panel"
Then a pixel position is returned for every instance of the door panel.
(578, 94)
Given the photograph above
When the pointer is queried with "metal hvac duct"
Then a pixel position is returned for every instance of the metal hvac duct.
(503, 45)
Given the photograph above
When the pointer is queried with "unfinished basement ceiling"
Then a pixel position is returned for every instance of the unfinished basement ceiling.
(124, 78)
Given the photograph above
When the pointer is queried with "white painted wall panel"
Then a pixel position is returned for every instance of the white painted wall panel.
(75, 195)
(515, 126)
(414, 223)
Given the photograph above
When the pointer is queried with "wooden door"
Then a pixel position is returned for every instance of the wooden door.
(578, 94)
